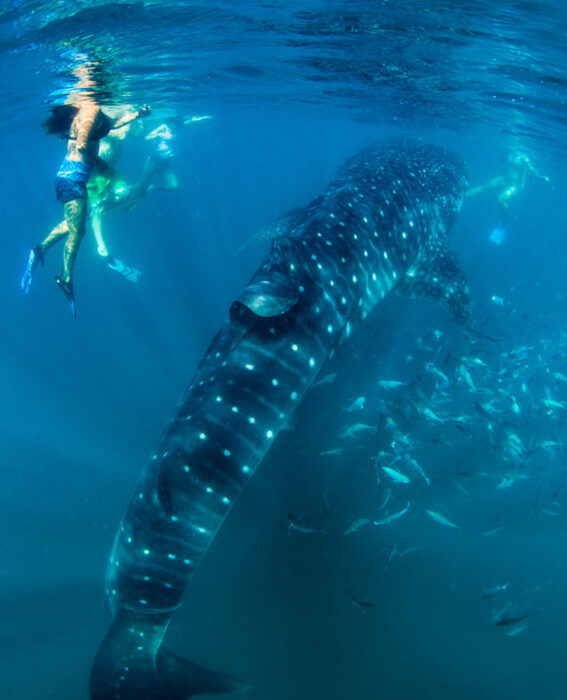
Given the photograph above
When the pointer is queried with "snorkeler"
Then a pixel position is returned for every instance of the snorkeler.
(157, 172)
(83, 123)
(107, 189)
(518, 167)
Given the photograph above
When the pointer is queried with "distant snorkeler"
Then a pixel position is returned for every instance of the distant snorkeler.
(509, 185)
(83, 124)
(158, 173)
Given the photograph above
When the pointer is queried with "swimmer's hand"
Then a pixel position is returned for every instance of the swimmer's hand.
(144, 111)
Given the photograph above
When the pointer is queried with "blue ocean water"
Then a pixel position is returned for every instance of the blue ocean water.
(294, 89)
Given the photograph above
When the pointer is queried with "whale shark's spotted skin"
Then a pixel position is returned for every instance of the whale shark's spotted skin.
(380, 225)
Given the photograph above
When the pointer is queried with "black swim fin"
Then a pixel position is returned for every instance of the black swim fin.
(67, 289)
(130, 665)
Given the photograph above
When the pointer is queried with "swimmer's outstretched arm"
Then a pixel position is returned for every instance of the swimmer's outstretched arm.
(535, 172)
(490, 185)
(127, 118)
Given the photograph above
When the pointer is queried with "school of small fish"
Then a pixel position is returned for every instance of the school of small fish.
(493, 411)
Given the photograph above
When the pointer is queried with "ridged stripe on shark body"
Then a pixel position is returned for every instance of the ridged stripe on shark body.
(248, 442)
(300, 351)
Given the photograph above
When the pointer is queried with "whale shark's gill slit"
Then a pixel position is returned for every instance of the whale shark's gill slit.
(163, 493)
(380, 225)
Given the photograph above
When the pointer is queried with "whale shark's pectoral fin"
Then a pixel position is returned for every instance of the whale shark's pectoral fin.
(127, 666)
(271, 297)
(436, 274)
(276, 229)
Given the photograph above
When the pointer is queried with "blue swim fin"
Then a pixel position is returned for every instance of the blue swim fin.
(130, 665)
(130, 273)
(35, 257)
(498, 234)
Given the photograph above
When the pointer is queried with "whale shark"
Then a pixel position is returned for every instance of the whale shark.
(381, 226)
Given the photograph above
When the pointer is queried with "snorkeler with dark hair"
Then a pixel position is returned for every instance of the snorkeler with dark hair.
(83, 124)
(509, 185)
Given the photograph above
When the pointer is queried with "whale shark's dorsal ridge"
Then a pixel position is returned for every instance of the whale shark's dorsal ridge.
(381, 225)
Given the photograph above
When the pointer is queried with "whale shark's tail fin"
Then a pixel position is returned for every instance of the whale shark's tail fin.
(127, 666)
(186, 676)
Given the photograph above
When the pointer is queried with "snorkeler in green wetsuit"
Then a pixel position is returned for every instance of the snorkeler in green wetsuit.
(509, 185)
(108, 189)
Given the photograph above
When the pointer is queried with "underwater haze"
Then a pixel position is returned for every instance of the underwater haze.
(405, 536)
